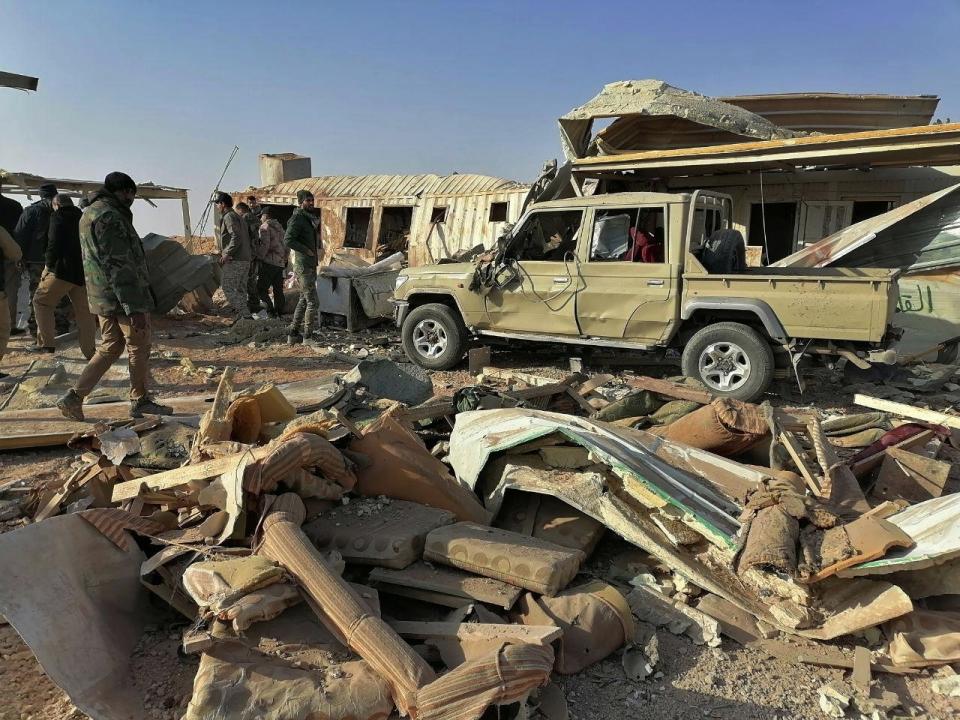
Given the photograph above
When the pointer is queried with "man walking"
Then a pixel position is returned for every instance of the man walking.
(272, 261)
(118, 290)
(9, 255)
(31, 235)
(302, 238)
(63, 277)
(235, 255)
(10, 212)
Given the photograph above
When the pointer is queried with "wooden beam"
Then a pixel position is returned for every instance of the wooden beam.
(671, 389)
(19, 82)
(792, 444)
(908, 411)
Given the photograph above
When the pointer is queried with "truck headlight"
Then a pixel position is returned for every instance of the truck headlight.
(401, 279)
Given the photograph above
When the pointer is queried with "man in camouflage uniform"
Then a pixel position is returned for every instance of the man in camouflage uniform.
(252, 222)
(118, 291)
(303, 239)
(235, 255)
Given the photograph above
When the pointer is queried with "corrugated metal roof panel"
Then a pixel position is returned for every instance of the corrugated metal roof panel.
(391, 186)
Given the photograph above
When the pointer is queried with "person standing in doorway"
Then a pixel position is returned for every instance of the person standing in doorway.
(63, 277)
(118, 291)
(31, 235)
(235, 256)
(10, 212)
(302, 237)
(272, 257)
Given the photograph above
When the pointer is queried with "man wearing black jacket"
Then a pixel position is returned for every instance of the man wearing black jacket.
(10, 212)
(63, 277)
(31, 236)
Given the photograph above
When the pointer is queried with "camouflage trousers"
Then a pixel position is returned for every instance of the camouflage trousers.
(253, 297)
(234, 284)
(307, 315)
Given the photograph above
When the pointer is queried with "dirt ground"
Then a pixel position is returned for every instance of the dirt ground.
(691, 681)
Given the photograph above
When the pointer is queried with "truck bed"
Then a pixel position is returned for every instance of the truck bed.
(812, 303)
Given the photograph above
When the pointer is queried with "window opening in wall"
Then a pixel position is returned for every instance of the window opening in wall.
(438, 215)
(394, 230)
(358, 227)
(498, 212)
(865, 209)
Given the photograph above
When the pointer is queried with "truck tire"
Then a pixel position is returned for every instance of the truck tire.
(731, 359)
(434, 336)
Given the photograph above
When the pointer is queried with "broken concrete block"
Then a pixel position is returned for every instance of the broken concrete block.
(835, 698)
(658, 610)
(384, 378)
(948, 685)
(449, 581)
(640, 659)
(370, 531)
(595, 618)
(550, 519)
(528, 562)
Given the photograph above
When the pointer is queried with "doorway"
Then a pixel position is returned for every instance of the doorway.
(780, 219)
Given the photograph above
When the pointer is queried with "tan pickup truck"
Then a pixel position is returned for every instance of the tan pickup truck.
(628, 270)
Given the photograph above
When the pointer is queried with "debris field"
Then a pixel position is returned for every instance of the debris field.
(374, 540)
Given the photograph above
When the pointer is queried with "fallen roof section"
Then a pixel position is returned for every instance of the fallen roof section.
(652, 114)
(831, 112)
(900, 147)
(921, 235)
(21, 183)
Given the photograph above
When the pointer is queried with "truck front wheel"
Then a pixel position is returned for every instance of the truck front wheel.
(434, 336)
(731, 359)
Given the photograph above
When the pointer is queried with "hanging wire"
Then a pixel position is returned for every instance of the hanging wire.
(205, 216)
(763, 219)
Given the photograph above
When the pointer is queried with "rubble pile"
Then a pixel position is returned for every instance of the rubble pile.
(378, 549)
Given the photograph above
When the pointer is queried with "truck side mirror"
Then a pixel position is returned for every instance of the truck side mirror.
(505, 275)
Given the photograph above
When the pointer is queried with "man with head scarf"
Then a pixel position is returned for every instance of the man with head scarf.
(303, 239)
(31, 235)
(118, 291)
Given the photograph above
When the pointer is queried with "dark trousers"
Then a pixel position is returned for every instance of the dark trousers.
(271, 276)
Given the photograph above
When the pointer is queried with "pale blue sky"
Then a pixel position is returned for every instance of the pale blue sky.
(164, 90)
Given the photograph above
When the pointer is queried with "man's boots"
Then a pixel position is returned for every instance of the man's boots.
(71, 405)
(147, 406)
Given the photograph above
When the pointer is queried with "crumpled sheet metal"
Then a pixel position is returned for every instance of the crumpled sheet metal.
(76, 599)
(237, 683)
(504, 677)
(933, 526)
(480, 433)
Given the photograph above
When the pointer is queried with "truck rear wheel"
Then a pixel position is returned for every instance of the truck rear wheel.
(731, 359)
(434, 336)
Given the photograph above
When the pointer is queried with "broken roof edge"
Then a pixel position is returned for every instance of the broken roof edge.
(652, 98)
(392, 186)
(22, 183)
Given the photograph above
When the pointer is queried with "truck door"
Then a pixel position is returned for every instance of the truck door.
(542, 261)
(629, 280)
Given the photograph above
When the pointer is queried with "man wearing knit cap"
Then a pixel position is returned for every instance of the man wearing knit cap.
(31, 235)
(235, 255)
(302, 237)
(118, 291)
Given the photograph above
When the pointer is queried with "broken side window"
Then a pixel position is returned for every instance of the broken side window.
(357, 227)
(548, 235)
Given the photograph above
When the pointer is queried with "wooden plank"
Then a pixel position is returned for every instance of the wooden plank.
(907, 476)
(517, 376)
(861, 669)
(792, 444)
(862, 467)
(671, 389)
(19, 82)
(46, 427)
(537, 634)
(448, 581)
(908, 411)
